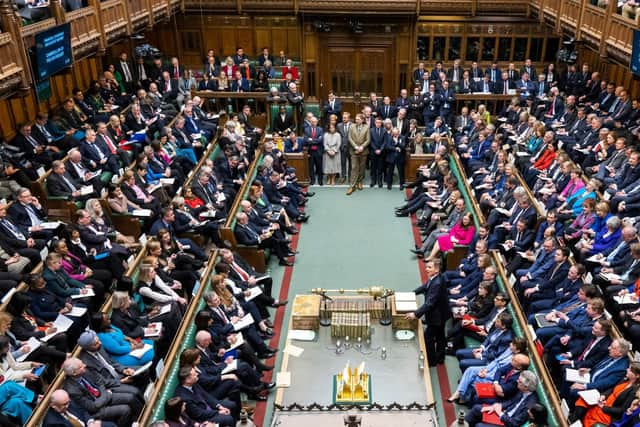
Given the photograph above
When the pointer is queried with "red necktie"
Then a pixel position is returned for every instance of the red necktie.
(506, 377)
(90, 388)
(243, 274)
(176, 75)
(112, 147)
(586, 350)
(313, 132)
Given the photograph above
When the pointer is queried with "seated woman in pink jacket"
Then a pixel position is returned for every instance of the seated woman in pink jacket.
(460, 234)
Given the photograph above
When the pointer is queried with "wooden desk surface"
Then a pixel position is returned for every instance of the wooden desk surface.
(225, 94)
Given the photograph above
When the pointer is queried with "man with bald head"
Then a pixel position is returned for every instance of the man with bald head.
(63, 412)
(90, 392)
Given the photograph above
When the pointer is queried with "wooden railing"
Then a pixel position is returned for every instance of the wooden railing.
(85, 31)
(159, 9)
(10, 71)
(138, 14)
(41, 410)
(115, 19)
(29, 31)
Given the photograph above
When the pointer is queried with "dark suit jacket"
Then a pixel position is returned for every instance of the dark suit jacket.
(200, 405)
(131, 322)
(599, 351)
(83, 398)
(54, 419)
(521, 415)
(19, 216)
(283, 125)
(245, 235)
(96, 367)
(435, 301)
(171, 94)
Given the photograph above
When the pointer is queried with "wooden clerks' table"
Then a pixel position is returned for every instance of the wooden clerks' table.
(395, 377)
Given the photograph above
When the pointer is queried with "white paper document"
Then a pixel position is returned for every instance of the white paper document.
(592, 397)
(573, 376)
(283, 379)
(255, 291)
(247, 320)
(33, 344)
(62, 324)
(153, 329)
(87, 294)
(141, 212)
(238, 342)
(139, 352)
(86, 189)
(77, 311)
(142, 369)
(293, 350)
(167, 181)
(233, 366)
(50, 225)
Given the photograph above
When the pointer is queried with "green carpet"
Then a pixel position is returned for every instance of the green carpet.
(349, 242)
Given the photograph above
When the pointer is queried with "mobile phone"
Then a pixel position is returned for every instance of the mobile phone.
(39, 370)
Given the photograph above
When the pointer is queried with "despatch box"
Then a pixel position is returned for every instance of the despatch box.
(305, 313)
(398, 320)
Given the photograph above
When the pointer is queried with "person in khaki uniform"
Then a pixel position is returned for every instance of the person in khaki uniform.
(359, 139)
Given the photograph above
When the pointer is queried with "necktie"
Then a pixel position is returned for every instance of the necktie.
(222, 315)
(386, 111)
(107, 365)
(241, 272)
(486, 87)
(493, 75)
(509, 374)
(45, 132)
(69, 183)
(72, 419)
(89, 387)
(125, 71)
(516, 406)
(166, 86)
(110, 144)
(142, 74)
(518, 236)
(32, 215)
(587, 349)
(32, 141)
(176, 73)
(313, 132)
(506, 86)
(12, 228)
(601, 368)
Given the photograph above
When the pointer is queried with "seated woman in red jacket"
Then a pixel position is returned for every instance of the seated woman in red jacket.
(460, 234)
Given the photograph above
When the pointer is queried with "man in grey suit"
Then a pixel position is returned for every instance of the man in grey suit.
(345, 159)
(118, 377)
(91, 393)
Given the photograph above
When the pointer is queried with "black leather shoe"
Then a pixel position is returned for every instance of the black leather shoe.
(268, 323)
(292, 230)
(280, 303)
(268, 386)
(310, 193)
(285, 263)
(264, 368)
(259, 397)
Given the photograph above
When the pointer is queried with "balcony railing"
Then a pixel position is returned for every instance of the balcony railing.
(115, 20)
(85, 31)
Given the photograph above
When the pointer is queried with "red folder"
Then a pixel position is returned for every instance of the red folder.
(491, 418)
(485, 390)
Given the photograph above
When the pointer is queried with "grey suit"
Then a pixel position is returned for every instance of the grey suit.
(105, 404)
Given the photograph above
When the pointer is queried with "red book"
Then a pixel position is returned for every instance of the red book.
(491, 418)
(485, 390)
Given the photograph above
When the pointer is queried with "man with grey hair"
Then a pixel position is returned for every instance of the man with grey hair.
(605, 374)
(90, 392)
(248, 235)
(64, 412)
(513, 412)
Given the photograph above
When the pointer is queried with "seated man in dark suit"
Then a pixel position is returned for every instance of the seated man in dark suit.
(27, 214)
(90, 393)
(80, 171)
(61, 184)
(166, 221)
(38, 151)
(510, 413)
(200, 405)
(246, 235)
(97, 155)
(98, 361)
(14, 240)
(65, 413)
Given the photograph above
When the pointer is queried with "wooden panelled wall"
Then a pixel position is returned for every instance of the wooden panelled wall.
(191, 35)
(15, 111)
